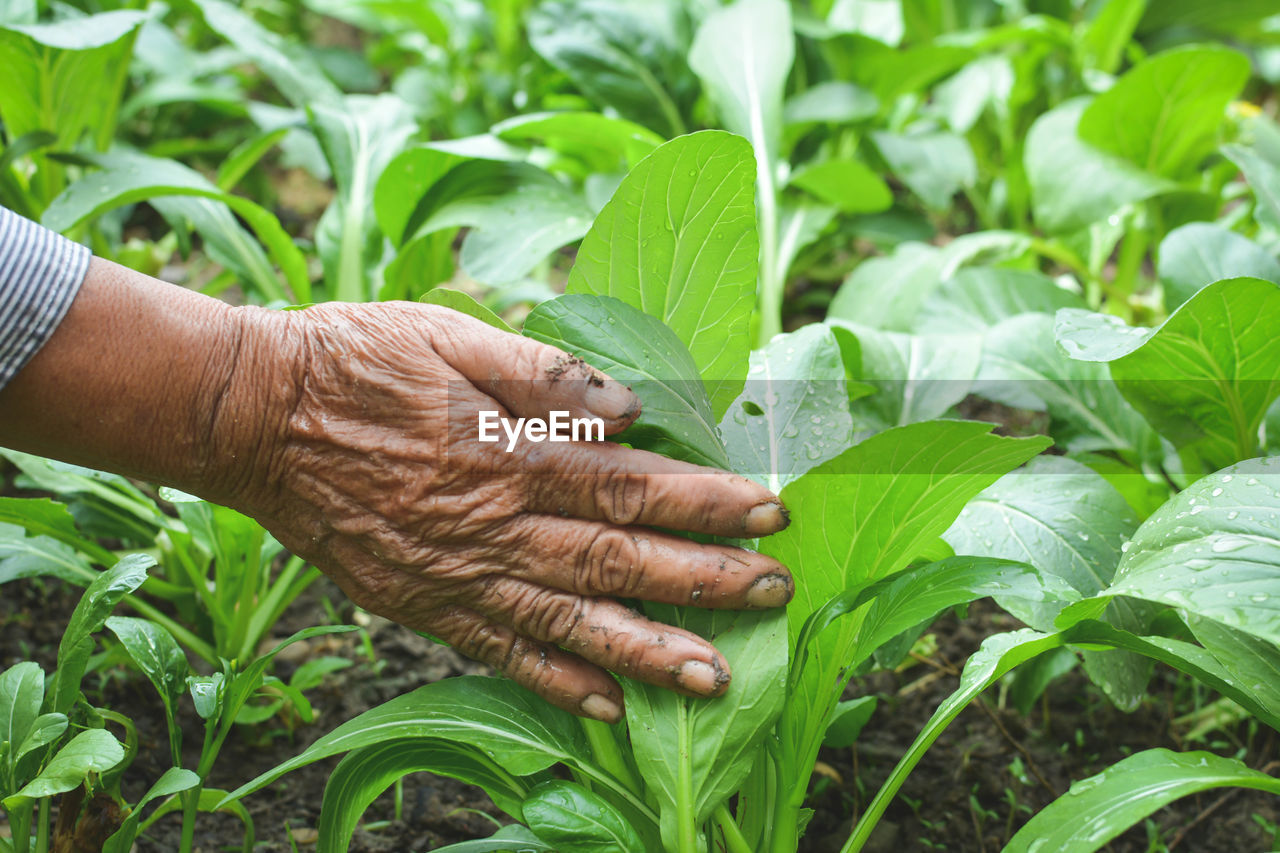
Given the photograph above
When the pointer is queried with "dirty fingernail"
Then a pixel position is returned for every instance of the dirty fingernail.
(611, 400)
(771, 590)
(601, 707)
(700, 677)
(763, 519)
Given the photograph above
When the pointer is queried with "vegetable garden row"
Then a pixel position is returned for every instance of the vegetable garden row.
(813, 237)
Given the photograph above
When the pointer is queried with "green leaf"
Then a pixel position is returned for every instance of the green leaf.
(889, 292)
(849, 185)
(157, 654)
(465, 303)
(359, 135)
(87, 619)
(365, 773)
(572, 819)
(23, 556)
(42, 517)
(45, 729)
(1198, 254)
(743, 54)
(1164, 114)
(522, 733)
(1023, 368)
(694, 754)
(211, 800)
(637, 350)
(1100, 807)
(630, 57)
(848, 721)
(1098, 183)
(21, 694)
(1204, 378)
(831, 101)
(977, 298)
(934, 166)
(126, 177)
(678, 241)
(175, 780)
(599, 143)
(1262, 174)
(1213, 550)
(508, 839)
(290, 66)
(865, 514)
(91, 751)
(66, 78)
(1251, 663)
(1064, 519)
(1223, 15)
(793, 413)
(915, 377)
(1110, 32)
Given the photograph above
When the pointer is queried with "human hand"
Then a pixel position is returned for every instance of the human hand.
(368, 465)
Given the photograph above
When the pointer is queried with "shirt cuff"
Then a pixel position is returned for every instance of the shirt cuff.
(40, 274)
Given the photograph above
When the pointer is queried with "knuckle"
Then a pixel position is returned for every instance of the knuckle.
(607, 564)
(554, 617)
(621, 496)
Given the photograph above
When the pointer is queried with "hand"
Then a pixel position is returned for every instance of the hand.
(368, 464)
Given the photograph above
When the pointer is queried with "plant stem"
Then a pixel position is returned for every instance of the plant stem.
(605, 749)
(1128, 264)
(20, 827)
(772, 282)
(733, 838)
(686, 819)
(42, 827)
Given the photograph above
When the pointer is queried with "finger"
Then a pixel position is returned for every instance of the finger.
(531, 378)
(606, 633)
(607, 482)
(566, 681)
(593, 558)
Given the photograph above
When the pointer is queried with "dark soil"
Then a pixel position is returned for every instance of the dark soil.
(968, 793)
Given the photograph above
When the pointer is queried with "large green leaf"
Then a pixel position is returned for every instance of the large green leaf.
(743, 54)
(1022, 367)
(977, 298)
(359, 135)
(1220, 15)
(1099, 808)
(466, 304)
(1205, 378)
(849, 185)
(89, 616)
(1251, 662)
(126, 177)
(519, 731)
(23, 556)
(175, 780)
(65, 78)
(1201, 253)
(934, 166)
(91, 751)
(638, 350)
(793, 413)
(1263, 175)
(630, 57)
(1096, 185)
(46, 518)
(573, 819)
(1164, 114)
(157, 654)
(1064, 519)
(914, 377)
(1214, 550)
(678, 241)
(599, 143)
(365, 773)
(697, 752)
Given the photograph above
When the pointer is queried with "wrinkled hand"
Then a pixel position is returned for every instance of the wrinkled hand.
(370, 468)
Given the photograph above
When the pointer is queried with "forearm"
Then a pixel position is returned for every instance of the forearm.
(136, 379)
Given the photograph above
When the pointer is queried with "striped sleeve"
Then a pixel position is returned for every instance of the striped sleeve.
(40, 274)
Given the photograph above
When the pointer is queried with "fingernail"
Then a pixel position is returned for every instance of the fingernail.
(601, 707)
(763, 519)
(611, 400)
(702, 678)
(771, 590)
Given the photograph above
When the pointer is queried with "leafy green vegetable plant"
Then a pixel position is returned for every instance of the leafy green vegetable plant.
(864, 546)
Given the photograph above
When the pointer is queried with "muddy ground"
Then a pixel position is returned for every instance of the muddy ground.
(980, 781)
